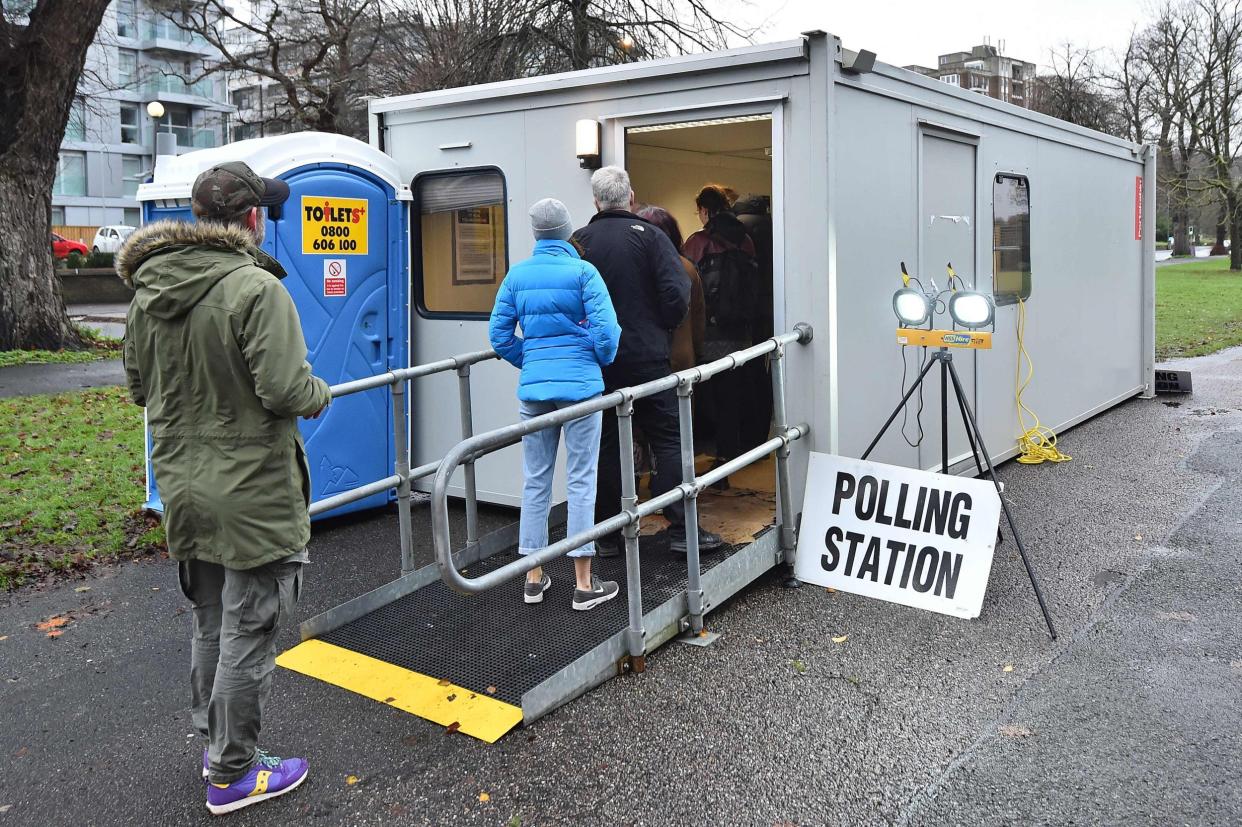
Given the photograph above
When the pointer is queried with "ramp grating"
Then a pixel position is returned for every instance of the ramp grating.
(495, 644)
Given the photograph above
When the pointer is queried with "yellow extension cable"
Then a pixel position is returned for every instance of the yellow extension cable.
(1037, 443)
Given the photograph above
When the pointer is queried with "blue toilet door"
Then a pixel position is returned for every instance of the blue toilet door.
(333, 239)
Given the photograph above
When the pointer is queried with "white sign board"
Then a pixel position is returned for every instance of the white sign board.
(897, 534)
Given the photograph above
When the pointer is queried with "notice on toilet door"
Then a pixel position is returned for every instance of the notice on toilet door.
(912, 537)
(334, 226)
(334, 270)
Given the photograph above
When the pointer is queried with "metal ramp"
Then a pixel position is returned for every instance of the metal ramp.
(454, 643)
(483, 664)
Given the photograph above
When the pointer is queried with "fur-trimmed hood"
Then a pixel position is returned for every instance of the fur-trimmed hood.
(172, 264)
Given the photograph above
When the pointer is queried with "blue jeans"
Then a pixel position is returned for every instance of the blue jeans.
(539, 464)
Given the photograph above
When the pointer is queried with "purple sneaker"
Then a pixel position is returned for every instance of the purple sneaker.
(269, 777)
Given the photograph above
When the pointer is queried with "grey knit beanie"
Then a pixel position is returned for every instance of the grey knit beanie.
(549, 218)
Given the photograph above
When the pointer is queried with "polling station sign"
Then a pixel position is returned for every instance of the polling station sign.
(334, 226)
(912, 537)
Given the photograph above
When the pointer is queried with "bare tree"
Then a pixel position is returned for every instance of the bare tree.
(315, 52)
(1074, 90)
(43, 48)
(1219, 47)
(445, 43)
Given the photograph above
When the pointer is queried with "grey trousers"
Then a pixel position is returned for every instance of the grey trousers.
(236, 616)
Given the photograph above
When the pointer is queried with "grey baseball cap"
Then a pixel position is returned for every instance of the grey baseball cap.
(228, 190)
(550, 218)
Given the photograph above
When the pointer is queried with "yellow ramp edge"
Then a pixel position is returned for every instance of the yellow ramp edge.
(477, 715)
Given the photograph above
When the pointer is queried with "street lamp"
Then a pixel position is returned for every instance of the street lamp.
(155, 110)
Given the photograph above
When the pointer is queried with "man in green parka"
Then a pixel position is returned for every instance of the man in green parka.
(214, 351)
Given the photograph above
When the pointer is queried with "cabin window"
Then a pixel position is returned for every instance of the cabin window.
(1011, 238)
(462, 234)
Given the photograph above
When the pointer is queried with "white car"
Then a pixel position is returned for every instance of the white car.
(108, 239)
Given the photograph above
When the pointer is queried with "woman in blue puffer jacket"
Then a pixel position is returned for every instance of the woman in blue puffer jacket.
(569, 329)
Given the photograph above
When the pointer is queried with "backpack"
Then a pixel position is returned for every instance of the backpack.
(730, 288)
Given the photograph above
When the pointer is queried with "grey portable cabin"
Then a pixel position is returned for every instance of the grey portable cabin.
(866, 167)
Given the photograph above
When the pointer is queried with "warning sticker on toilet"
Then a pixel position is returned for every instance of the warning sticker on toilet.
(334, 225)
(334, 277)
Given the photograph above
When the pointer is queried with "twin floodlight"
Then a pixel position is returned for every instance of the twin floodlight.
(968, 308)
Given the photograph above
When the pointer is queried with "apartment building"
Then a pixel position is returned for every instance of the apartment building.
(985, 70)
(138, 57)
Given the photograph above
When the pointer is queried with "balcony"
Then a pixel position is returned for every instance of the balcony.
(163, 35)
(173, 85)
(189, 137)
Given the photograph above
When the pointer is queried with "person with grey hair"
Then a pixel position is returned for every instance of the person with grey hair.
(651, 294)
(569, 330)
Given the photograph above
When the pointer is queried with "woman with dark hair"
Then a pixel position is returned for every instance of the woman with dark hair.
(725, 257)
(688, 337)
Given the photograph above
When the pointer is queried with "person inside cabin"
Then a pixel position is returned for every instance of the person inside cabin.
(650, 291)
(688, 337)
(755, 213)
(725, 257)
(569, 333)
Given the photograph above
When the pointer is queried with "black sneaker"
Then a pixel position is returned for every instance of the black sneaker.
(601, 592)
(707, 541)
(606, 547)
(534, 591)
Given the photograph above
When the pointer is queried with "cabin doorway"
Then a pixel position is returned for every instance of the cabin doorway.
(670, 163)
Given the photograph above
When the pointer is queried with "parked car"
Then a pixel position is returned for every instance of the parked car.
(108, 239)
(62, 247)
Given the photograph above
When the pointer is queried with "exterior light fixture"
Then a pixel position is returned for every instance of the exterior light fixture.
(912, 307)
(971, 309)
(155, 109)
(586, 143)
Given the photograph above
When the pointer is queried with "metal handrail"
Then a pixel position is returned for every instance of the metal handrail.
(403, 476)
(470, 449)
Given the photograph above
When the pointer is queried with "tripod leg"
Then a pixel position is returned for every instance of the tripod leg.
(974, 449)
(1013, 527)
(897, 410)
(944, 412)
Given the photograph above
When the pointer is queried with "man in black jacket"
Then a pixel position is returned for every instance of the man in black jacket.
(650, 292)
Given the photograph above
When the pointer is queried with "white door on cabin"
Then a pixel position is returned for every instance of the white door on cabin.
(949, 224)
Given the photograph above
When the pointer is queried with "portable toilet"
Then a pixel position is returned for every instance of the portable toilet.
(341, 238)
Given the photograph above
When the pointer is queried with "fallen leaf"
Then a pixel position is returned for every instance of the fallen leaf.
(516, 821)
(21, 752)
(54, 622)
(389, 700)
(702, 633)
(81, 589)
(484, 797)
(1008, 667)
(444, 682)
(799, 667)
(830, 590)
(1138, 536)
(4, 637)
(1015, 731)
(56, 633)
(840, 639)
(451, 697)
(491, 690)
(351, 780)
(4, 808)
(453, 727)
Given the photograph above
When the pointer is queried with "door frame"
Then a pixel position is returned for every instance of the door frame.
(925, 129)
(772, 106)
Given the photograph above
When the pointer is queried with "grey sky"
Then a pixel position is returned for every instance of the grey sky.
(916, 31)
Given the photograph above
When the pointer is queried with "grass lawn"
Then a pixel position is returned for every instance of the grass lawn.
(72, 484)
(98, 347)
(1198, 308)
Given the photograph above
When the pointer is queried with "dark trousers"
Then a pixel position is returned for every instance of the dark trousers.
(237, 614)
(657, 417)
(728, 395)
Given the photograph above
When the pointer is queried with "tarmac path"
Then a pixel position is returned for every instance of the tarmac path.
(1134, 716)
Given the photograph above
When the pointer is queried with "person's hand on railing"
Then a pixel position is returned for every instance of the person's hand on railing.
(318, 413)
